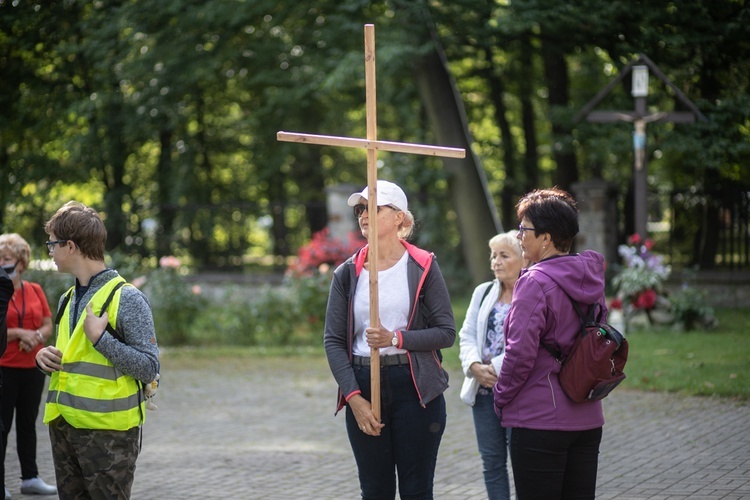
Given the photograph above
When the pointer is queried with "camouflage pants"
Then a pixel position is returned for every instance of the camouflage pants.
(93, 464)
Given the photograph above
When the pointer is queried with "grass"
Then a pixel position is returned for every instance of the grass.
(699, 363)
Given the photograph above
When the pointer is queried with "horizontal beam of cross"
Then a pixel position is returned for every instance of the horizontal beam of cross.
(394, 147)
(631, 116)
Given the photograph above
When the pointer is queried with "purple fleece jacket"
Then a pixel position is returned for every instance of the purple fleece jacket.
(528, 391)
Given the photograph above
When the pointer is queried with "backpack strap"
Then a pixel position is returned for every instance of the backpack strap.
(486, 293)
(591, 317)
(61, 309)
(112, 331)
(110, 328)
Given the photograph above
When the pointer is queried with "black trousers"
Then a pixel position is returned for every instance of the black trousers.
(555, 464)
(22, 393)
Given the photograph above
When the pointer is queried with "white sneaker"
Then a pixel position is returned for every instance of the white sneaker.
(7, 494)
(36, 486)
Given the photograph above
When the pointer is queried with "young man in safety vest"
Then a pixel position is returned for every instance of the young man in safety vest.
(99, 364)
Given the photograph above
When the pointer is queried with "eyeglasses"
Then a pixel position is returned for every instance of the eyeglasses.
(521, 229)
(51, 244)
(359, 209)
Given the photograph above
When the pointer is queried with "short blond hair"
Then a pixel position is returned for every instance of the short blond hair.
(509, 238)
(18, 246)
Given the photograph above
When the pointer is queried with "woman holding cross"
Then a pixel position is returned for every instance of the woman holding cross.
(416, 321)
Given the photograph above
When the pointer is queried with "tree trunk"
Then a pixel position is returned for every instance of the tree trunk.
(309, 172)
(530, 157)
(477, 214)
(165, 195)
(497, 90)
(116, 155)
(556, 74)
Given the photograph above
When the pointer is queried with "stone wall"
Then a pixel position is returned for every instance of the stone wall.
(597, 218)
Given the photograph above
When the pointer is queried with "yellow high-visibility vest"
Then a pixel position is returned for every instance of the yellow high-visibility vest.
(89, 392)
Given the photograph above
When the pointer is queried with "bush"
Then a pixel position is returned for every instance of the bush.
(175, 303)
(689, 306)
(53, 283)
(228, 320)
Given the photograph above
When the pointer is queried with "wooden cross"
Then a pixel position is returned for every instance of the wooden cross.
(640, 117)
(373, 146)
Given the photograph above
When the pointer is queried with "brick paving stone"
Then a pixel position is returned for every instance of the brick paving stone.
(264, 429)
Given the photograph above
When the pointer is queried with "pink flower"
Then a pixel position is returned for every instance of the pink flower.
(196, 289)
(139, 281)
(649, 244)
(170, 261)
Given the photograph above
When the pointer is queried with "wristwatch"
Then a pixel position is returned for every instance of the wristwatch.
(394, 340)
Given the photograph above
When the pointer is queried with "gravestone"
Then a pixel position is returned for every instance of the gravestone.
(341, 219)
(597, 218)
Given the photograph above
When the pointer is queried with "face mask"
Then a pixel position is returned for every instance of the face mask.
(11, 270)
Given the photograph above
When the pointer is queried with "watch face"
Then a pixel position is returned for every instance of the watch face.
(394, 340)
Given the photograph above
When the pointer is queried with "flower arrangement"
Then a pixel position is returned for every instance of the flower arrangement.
(640, 280)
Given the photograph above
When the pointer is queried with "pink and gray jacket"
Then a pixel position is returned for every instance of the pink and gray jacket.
(431, 325)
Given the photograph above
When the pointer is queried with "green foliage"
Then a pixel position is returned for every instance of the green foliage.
(155, 113)
(289, 315)
(690, 309)
(53, 283)
(175, 305)
(226, 320)
(689, 305)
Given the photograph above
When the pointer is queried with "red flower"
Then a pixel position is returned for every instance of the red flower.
(634, 239)
(323, 250)
(649, 244)
(645, 300)
(616, 304)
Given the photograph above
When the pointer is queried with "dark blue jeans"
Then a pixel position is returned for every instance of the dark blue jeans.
(555, 464)
(493, 446)
(407, 445)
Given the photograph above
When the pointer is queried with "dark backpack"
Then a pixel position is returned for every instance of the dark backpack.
(594, 366)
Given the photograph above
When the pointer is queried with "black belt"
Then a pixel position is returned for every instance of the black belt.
(394, 360)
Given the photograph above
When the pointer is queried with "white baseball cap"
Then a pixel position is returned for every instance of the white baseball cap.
(388, 194)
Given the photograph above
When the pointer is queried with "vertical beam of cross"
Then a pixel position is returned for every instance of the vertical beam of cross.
(372, 209)
(372, 145)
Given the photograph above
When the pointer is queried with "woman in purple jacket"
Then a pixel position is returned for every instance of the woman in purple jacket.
(554, 443)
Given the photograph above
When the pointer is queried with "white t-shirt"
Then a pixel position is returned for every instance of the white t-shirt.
(393, 296)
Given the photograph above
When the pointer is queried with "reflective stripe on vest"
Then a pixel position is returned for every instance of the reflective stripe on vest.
(89, 392)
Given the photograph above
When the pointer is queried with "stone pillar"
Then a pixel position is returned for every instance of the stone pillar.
(341, 220)
(597, 218)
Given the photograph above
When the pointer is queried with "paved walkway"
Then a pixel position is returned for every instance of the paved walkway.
(264, 429)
